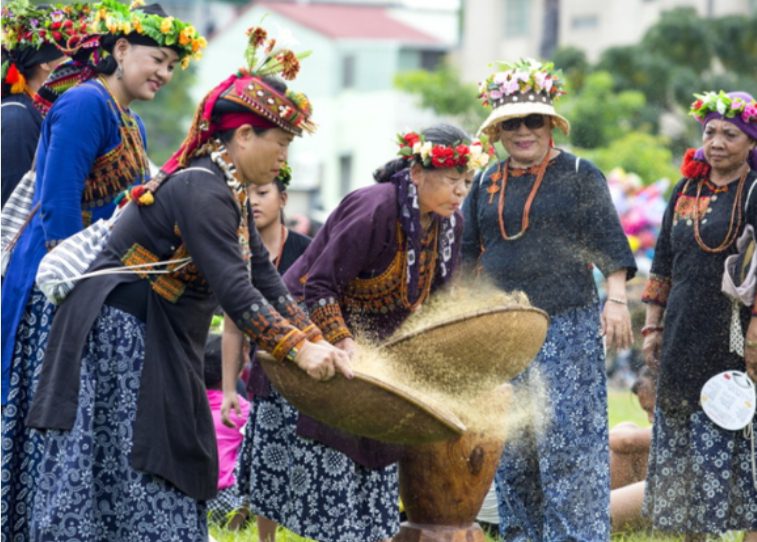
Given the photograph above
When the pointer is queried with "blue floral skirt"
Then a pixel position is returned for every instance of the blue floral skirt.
(700, 477)
(553, 480)
(22, 447)
(88, 491)
(312, 489)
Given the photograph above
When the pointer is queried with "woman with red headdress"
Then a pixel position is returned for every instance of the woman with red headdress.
(702, 477)
(130, 446)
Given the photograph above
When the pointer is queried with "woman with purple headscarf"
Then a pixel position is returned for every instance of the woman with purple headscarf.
(701, 477)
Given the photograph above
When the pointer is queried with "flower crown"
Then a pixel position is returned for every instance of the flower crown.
(521, 77)
(25, 25)
(111, 16)
(720, 102)
(265, 59)
(285, 175)
(472, 157)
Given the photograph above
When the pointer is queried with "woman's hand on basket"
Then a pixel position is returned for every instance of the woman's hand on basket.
(616, 325)
(750, 349)
(321, 361)
(349, 345)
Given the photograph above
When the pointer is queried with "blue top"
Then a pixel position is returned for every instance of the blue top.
(78, 175)
(20, 133)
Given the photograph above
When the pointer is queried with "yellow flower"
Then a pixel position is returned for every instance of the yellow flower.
(111, 25)
(199, 43)
(137, 24)
(166, 25)
(137, 4)
(101, 15)
(185, 36)
(185, 62)
(126, 27)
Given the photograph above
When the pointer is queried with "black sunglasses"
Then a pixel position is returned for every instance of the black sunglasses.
(532, 122)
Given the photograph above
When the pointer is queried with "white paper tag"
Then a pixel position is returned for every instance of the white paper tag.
(728, 399)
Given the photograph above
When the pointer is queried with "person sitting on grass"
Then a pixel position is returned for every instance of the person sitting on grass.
(629, 451)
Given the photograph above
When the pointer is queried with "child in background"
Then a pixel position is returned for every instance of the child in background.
(228, 439)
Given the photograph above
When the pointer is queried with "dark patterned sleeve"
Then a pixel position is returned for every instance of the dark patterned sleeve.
(208, 218)
(471, 238)
(266, 278)
(349, 241)
(603, 237)
(658, 285)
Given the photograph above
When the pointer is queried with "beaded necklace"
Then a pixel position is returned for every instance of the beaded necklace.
(220, 157)
(504, 173)
(131, 137)
(735, 219)
(284, 235)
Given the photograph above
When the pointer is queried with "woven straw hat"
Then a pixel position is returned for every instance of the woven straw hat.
(520, 89)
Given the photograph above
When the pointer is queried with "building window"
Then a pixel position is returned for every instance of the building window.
(430, 60)
(348, 71)
(517, 18)
(584, 22)
(345, 173)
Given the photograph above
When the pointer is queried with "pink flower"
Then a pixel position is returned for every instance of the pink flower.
(750, 113)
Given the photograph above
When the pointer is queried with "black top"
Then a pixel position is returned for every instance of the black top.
(20, 132)
(173, 431)
(573, 224)
(696, 336)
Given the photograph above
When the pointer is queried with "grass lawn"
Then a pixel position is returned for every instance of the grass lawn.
(622, 407)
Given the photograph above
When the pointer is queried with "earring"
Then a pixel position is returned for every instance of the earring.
(119, 72)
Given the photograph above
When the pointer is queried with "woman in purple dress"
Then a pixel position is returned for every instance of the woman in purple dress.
(377, 258)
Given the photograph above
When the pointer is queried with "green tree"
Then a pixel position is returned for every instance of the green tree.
(682, 38)
(646, 155)
(444, 92)
(572, 61)
(166, 117)
(599, 114)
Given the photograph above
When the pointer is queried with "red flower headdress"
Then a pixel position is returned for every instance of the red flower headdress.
(471, 157)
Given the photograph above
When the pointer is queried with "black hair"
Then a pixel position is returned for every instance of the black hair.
(27, 59)
(645, 375)
(212, 369)
(441, 134)
(108, 64)
(223, 107)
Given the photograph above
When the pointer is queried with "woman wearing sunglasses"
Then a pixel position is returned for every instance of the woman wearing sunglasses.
(537, 222)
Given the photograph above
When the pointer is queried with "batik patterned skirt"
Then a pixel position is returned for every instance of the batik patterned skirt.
(700, 476)
(88, 491)
(22, 447)
(553, 480)
(312, 489)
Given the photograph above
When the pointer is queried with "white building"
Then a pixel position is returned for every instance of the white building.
(509, 29)
(356, 52)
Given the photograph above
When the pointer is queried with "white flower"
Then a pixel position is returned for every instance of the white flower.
(285, 38)
(417, 147)
(425, 150)
(722, 107)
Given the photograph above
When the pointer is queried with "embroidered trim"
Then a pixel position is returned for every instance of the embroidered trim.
(327, 315)
(657, 290)
(271, 333)
(166, 286)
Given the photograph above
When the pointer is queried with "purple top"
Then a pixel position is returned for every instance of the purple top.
(354, 276)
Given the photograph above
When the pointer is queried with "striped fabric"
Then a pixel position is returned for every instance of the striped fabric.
(16, 214)
(62, 266)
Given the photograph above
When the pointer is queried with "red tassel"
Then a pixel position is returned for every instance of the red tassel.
(691, 168)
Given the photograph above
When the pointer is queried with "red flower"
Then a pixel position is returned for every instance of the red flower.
(411, 139)
(462, 154)
(696, 105)
(57, 36)
(68, 24)
(56, 25)
(442, 156)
